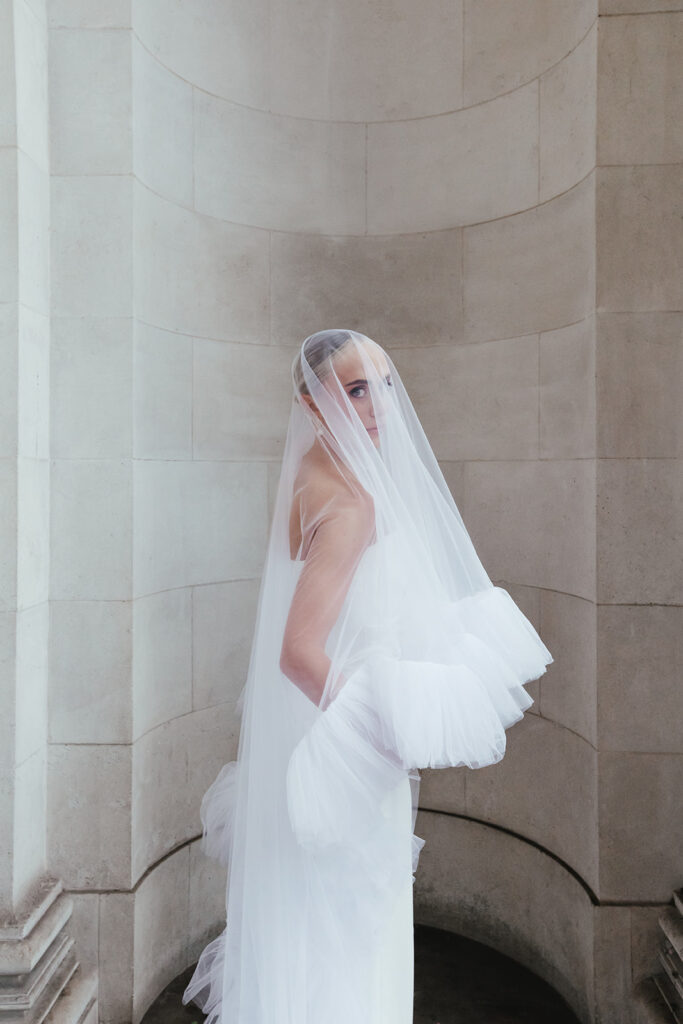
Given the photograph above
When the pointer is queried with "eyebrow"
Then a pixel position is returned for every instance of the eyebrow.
(352, 382)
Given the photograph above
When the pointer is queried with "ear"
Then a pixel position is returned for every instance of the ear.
(311, 405)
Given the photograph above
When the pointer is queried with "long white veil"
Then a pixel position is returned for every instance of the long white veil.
(380, 647)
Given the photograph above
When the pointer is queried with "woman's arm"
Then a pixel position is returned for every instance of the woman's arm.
(341, 530)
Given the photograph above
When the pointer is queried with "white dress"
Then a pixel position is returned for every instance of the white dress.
(443, 697)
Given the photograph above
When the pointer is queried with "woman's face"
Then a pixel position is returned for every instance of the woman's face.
(348, 366)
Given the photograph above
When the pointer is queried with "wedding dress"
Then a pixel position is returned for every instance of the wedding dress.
(380, 647)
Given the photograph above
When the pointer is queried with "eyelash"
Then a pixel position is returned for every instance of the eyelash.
(361, 387)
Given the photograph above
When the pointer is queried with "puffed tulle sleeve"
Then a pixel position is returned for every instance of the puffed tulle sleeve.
(447, 710)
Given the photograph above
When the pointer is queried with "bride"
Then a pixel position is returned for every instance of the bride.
(380, 647)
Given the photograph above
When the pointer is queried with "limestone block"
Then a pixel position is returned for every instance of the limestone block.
(33, 535)
(90, 669)
(415, 297)
(91, 101)
(224, 49)
(493, 887)
(639, 543)
(84, 927)
(9, 275)
(31, 78)
(568, 105)
(223, 619)
(534, 271)
(613, 973)
(640, 651)
(161, 913)
(8, 94)
(471, 165)
(567, 391)
(91, 383)
(117, 957)
(162, 658)
(28, 823)
(360, 59)
(641, 91)
(533, 522)
(198, 523)
(91, 254)
(91, 542)
(509, 44)
(485, 404)
(639, 366)
(162, 127)
(231, 418)
(31, 666)
(33, 244)
(639, 241)
(33, 341)
(273, 171)
(454, 475)
(173, 765)
(89, 814)
(162, 399)
(9, 378)
(443, 789)
(8, 533)
(207, 912)
(84, 14)
(568, 689)
(641, 829)
(528, 792)
(198, 275)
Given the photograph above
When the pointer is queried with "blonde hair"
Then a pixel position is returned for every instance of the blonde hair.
(319, 349)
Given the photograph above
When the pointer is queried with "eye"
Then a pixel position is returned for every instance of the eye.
(358, 388)
(389, 381)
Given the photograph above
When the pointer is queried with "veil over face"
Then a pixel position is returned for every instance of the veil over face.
(380, 647)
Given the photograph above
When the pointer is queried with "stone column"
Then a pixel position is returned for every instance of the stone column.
(40, 977)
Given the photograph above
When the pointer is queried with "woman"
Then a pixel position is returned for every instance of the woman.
(381, 647)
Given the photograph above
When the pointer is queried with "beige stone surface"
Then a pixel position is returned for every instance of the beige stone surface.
(641, 829)
(163, 156)
(639, 381)
(567, 115)
(89, 810)
(415, 298)
(162, 398)
(497, 889)
(223, 618)
(220, 48)
(475, 401)
(230, 418)
(534, 271)
(569, 687)
(83, 14)
(117, 957)
(198, 522)
(91, 256)
(528, 792)
(607, 7)
(278, 172)
(509, 44)
(640, 653)
(612, 963)
(90, 672)
(639, 541)
(567, 383)
(90, 539)
(532, 522)
(31, 652)
(641, 88)
(161, 903)
(472, 165)
(89, 422)
(8, 225)
(91, 102)
(639, 241)
(207, 910)
(360, 58)
(198, 275)
(162, 658)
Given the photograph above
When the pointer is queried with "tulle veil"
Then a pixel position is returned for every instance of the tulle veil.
(424, 665)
